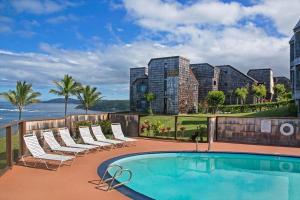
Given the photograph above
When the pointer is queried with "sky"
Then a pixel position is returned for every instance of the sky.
(97, 41)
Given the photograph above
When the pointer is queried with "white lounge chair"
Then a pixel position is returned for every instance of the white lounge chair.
(118, 133)
(55, 146)
(68, 140)
(38, 152)
(87, 138)
(97, 131)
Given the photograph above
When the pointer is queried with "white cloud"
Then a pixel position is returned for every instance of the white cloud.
(285, 14)
(165, 15)
(160, 15)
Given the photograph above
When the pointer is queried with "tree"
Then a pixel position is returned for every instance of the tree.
(241, 94)
(88, 96)
(279, 91)
(149, 98)
(215, 99)
(22, 96)
(259, 92)
(65, 87)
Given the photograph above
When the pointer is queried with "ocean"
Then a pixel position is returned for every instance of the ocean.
(9, 113)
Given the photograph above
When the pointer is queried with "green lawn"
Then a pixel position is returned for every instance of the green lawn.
(15, 140)
(192, 121)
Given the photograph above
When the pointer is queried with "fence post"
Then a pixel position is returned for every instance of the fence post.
(176, 118)
(22, 132)
(212, 128)
(139, 120)
(9, 148)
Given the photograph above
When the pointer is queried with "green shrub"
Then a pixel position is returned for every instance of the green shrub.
(201, 132)
(82, 123)
(105, 126)
(215, 99)
(156, 126)
(254, 107)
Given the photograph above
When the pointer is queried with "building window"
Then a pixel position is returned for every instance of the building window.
(165, 70)
(292, 56)
(141, 88)
(292, 81)
(297, 45)
(297, 77)
(225, 84)
(215, 82)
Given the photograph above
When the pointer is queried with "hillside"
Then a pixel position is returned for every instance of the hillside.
(110, 106)
(61, 100)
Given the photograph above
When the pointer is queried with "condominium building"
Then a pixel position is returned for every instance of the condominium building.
(295, 64)
(172, 82)
(180, 86)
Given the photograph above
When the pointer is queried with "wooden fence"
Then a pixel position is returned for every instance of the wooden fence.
(14, 138)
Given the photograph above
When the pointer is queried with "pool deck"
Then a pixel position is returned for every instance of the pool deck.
(26, 183)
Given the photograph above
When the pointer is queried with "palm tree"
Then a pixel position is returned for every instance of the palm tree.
(241, 94)
(22, 96)
(88, 96)
(149, 98)
(66, 88)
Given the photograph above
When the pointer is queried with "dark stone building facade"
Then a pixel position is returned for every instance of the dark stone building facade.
(180, 86)
(230, 79)
(264, 76)
(295, 64)
(138, 89)
(208, 78)
(172, 82)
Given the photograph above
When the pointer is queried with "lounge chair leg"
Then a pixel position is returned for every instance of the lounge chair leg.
(23, 160)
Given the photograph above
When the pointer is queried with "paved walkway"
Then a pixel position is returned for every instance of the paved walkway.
(26, 183)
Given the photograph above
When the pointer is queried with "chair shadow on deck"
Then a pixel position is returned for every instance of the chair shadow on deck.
(32, 163)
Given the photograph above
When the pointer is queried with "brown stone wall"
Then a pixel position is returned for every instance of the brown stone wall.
(129, 123)
(248, 130)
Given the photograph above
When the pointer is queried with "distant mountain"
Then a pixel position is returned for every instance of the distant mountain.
(62, 100)
(110, 106)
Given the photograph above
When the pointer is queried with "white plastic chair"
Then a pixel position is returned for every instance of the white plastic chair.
(68, 140)
(97, 131)
(38, 152)
(55, 146)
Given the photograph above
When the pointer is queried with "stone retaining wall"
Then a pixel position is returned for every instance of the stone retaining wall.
(265, 131)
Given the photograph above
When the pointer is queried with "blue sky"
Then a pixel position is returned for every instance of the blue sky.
(98, 41)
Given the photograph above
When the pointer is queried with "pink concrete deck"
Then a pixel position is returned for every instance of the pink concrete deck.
(73, 182)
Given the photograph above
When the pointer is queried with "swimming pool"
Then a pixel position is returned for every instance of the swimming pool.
(191, 175)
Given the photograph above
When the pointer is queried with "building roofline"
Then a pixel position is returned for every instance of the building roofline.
(297, 26)
(202, 64)
(238, 72)
(281, 77)
(167, 58)
(259, 69)
(138, 67)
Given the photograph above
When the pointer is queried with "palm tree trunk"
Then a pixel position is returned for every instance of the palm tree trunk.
(66, 106)
(20, 114)
(86, 111)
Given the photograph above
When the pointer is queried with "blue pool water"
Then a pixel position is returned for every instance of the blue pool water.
(213, 176)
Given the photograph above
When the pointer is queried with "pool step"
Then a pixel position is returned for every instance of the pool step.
(110, 182)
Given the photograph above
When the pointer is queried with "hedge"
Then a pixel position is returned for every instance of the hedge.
(253, 107)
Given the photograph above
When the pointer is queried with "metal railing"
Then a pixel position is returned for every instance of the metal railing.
(111, 180)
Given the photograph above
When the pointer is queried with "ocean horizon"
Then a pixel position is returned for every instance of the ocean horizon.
(9, 113)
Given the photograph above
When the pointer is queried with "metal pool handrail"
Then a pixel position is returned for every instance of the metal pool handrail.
(118, 173)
